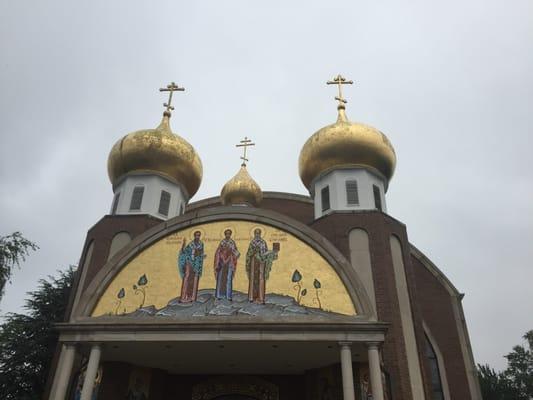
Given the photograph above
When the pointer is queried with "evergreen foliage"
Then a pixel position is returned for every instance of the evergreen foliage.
(494, 385)
(516, 382)
(13, 249)
(519, 370)
(28, 341)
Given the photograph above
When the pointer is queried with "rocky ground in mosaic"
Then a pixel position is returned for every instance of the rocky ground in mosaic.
(207, 305)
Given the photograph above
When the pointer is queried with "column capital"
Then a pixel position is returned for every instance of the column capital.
(373, 345)
(345, 344)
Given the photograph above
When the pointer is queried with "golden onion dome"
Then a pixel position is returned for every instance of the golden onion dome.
(346, 144)
(156, 151)
(241, 189)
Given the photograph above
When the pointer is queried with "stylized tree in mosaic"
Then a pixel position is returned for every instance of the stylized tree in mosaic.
(141, 288)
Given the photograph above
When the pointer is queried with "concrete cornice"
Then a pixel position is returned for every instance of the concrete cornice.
(200, 332)
(288, 196)
(436, 272)
(211, 201)
(356, 212)
(121, 216)
(123, 324)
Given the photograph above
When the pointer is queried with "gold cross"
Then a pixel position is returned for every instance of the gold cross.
(339, 80)
(245, 143)
(171, 89)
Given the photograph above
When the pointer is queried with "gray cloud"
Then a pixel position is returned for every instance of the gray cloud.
(450, 83)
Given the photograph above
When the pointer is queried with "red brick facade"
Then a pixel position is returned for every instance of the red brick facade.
(437, 313)
(431, 301)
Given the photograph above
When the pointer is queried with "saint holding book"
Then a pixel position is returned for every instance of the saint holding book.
(258, 265)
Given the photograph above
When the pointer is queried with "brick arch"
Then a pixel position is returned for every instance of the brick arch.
(328, 251)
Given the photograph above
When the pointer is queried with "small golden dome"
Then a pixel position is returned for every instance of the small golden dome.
(156, 151)
(241, 189)
(346, 144)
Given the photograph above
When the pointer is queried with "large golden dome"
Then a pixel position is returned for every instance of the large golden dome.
(156, 151)
(346, 144)
(241, 189)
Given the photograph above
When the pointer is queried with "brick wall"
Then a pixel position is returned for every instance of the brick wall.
(437, 312)
(336, 227)
(430, 301)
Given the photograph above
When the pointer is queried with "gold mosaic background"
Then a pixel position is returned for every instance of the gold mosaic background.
(159, 263)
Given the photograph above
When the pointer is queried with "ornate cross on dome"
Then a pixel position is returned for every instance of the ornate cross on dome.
(340, 80)
(171, 89)
(245, 143)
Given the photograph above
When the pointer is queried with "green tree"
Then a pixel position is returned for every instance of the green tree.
(516, 382)
(27, 341)
(13, 249)
(495, 385)
(519, 370)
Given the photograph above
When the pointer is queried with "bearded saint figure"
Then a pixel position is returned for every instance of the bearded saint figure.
(190, 265)
(258, 265)
(225, 265)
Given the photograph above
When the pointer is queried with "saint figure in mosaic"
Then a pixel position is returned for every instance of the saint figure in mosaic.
(258, 265)
(190, 265)
(226, 257)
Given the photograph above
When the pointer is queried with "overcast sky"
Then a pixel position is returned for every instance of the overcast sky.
(449, 82)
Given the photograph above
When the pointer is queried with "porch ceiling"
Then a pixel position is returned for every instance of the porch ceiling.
(230, 357)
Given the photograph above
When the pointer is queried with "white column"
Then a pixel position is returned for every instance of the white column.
(347, 374)
(90, 374)
(374, 366)
(63, 371)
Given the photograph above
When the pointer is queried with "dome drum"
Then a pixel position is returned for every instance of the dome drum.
(353, 167)
(146, 173)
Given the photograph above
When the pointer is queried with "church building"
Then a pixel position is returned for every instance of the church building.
(256, 295)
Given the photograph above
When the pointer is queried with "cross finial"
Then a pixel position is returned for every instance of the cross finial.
(171, 89)
(340, 80)
(245, 143)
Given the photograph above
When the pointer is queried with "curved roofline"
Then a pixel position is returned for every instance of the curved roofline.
(435, 271)
(266, 195)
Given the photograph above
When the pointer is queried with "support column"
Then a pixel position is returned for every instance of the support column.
(90, 374)
(63, 372)
(374, 366)
(347, 373)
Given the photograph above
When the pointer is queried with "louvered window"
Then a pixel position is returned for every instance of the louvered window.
(164, 202)
(377, 198)
(137, 198)
(115, 204)
(352, 194)
(324, 196)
